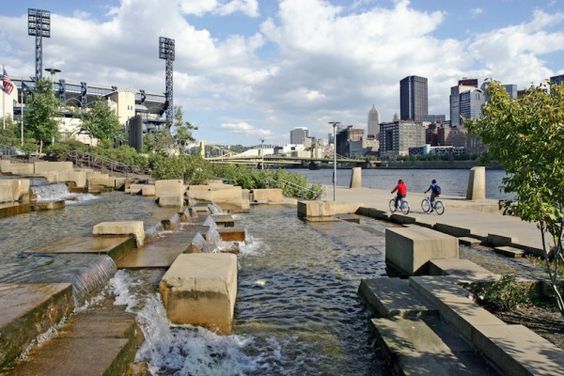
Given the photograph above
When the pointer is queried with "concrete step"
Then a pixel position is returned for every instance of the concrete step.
(465, 271)
(348, 218)
(510, 251)
(95, 343)
(115, 247)
(427, 347)
(225, 220)
(28, 310)
(161, 252)
(232, 234)
(468, 241)
(388, 297)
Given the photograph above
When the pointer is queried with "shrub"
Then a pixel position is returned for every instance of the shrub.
(508, 293)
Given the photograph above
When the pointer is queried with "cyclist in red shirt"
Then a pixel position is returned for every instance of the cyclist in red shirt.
(401, 188)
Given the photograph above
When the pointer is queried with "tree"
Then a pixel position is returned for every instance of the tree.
(10, 136)
(158, 142)
(102, 122)
(183, 128)
(527, 136)
(41, 112)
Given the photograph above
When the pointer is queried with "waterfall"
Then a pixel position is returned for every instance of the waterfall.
(92, 278)
(59, 191)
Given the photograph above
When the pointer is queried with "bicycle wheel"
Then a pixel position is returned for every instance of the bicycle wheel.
(405, 208)
(425, 205)
(392, 205)
(439, 207)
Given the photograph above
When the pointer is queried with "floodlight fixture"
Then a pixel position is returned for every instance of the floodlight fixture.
(166, 48)
(39, 26)
(166, 52)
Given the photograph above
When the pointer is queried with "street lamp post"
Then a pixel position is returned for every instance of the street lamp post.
(262, 153)
(334, 124)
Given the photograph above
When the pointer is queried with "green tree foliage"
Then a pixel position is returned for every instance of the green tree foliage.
(9, 136)
(183, 128)
(40, 120)
(101, 122)
(527, 136)
(157, 142)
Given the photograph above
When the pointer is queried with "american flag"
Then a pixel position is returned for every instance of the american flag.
(7, 84)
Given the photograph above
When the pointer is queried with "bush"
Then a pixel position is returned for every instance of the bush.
(124, 154)
(508, 293)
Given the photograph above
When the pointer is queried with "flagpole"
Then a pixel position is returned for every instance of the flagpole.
(21, 112)
(3, 100)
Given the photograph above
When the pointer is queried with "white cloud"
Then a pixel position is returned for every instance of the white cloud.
(476, 12)
(201, 7)
(245, 128)
(248, 7)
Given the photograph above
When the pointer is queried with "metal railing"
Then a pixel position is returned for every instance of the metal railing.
(90, 160)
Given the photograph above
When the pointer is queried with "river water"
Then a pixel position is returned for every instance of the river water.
(453, 182)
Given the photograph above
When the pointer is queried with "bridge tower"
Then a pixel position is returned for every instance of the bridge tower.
(39, 26)
(202, 149)
(167, 53)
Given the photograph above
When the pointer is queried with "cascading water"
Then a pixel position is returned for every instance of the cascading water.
(93, 278)
(59, 191)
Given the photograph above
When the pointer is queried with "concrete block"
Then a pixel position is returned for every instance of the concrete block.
(13, 189)
(134, 228)
(51, 176)
(373, 213)
(78, 177)
(4, 165)
(99, 179)
(48, 205)
(148, 190)
(495, 240)
(171, 187)
(356, 178)
(201, 289)
(410, 248)
(403, 219)
(465, 271)
(225, 220)
(388, 297)
(267, 195)
(42, 167)
(517, 350)
(9, 209)
(468, 241)
(171, 201)
(510, 251)
(23, 169)
(134, 188)
(232, 234)
(453, 230)
(476, 184)
(318, 208)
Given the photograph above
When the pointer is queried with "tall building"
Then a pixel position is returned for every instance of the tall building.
(398, 136)
(471, 103)
(298, 136)
(433, 118)
(464, 85)
(414, 101)
(557, 79)
(511, 90)
(373, 123)
(349, 141)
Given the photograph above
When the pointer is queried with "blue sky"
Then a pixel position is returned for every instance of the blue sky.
(248, 69)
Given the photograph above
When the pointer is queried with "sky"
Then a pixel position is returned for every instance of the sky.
(247, 70)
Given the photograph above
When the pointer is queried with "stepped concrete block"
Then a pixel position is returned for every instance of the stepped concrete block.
(171, 187)
(98, 343)
(4, 165)
(115, 247)
(476, 184)
(201, 289)
(198, 187)
(348, 218)
(267, 195)
(171, 201)
(403, 219)
(464, 270)
(389, 297)
(215, 181)
(356, 178)
(495, 240)
(468, 241)
(232, 234)
(454, 304)
(42, 167)
(409, 248)
(517, 350)
(51, 176)
(372, 213)
(96, 189)
(148, 190)
(78, 177)
(417, 349)
(318, 208)
(99, 179)
(453, 230)
(10, 208)
(28, 310)
(134, 188)
(225, 220)
(24, 169)
(134, 228)
(48, 205)
(510, 251)
(119, 183)
(13, 189)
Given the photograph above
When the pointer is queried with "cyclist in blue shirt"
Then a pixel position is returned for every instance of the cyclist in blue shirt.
(435, 192)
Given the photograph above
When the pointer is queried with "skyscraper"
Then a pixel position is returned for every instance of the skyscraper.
(414, 101)
(298, 136)
(464, 85)
(373, 123)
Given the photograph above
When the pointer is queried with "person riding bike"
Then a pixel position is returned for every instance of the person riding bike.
(401, 188)
(435, 192)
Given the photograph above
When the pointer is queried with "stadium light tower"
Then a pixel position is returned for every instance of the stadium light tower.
(166, 52)
(39, 26)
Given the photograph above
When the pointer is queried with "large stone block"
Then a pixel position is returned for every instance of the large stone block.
(134, 228)
(4, 165)
(99, 179)
(201, 289)
(476, 184)
(148, 190)
(24, 169)
(171, 201)
(171, 187)
(318, 208)
(13, 189)
(44, 167)
(409, 248)
(267, 195)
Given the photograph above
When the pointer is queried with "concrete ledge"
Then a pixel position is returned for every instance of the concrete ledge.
(225, 220)
(318, 208)
(134, 228)
(232, 234)
(267, 195)
(510, 251)
(409, 248)
(171, 201)
(403, 219)
(201, 289)
(12, 190)
(134, 189)
(9, 209)
(372, 213)
(465, 271)
(48, 205)
(171, 187)
(453, 230)
(468, 241)
(28, 310)
(23, 169)
(495, 240)
(148, 190)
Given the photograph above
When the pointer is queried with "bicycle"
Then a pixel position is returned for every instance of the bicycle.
(437, 206)
(403, 206)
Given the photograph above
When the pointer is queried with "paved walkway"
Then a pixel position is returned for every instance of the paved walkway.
(481, 217)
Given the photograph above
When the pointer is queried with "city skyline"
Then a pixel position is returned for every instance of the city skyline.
(247, 70)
